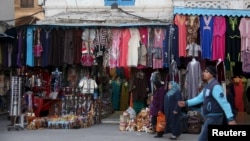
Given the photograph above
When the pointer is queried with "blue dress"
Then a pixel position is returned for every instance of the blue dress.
(206, 36)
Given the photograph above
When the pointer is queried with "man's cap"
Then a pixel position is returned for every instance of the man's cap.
(212, 70)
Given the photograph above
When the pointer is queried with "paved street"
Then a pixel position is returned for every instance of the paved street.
(105, 131)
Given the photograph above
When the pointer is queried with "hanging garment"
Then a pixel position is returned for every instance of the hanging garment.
(218, 45)
(144, 35)
(116, 94)
(170, 48)
(180, 21)
(46, 38)
(68, 47)
(206, 34)
(124, 104)
(87, 60)
(192, 26)
(19, 53)
(142, 56)
(221, 72)
(245, 43)
(233, 41)
(193, 79)
(244, 28)
(150, 48)
(38, 48)
(193, 50)
(114, 51)
(133, 45)
(30, 59)
(238, 87)
(159, 36)
(87, 50)
(125, 37)
(87, 85)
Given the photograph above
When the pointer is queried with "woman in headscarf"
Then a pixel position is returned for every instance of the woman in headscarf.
(172, 110)
(157, 105)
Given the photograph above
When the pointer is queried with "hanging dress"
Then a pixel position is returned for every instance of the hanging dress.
(125, 36)
(238, 87)
(180, 21)
(245, 43)
(233, 41)
(218, 48)
(206, 35)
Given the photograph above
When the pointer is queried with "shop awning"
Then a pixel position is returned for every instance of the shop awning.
(8, 35)
(115, 18)
(6, 31)
(211, 12)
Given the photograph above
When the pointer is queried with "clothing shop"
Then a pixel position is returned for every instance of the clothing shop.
(73, 76)
(222, 43)
(81, 73)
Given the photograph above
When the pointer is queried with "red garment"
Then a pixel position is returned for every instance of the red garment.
(37, 50)
(238, 88)
(144, 35)
(87, 60)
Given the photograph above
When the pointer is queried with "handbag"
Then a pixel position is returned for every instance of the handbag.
(161, 122)
(195, 122)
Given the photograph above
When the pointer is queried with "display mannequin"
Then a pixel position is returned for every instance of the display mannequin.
(193, 78)
(56, 80)
(87, 85)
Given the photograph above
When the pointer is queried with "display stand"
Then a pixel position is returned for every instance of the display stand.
(15, 104)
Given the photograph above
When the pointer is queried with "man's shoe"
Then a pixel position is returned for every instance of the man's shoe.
(173, 137)
(158, 136)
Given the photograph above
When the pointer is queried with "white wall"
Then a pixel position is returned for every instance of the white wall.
(7, 11)
(53, 7)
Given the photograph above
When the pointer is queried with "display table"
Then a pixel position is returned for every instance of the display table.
(47, 107)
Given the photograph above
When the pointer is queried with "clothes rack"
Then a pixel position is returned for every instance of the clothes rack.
(15, 104)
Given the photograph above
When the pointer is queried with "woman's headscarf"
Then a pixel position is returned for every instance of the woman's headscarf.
(157, 84)
(175, 87)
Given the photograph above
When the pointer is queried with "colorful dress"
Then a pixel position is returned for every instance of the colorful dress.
(218, 48)
(206, 36)
(180, 21)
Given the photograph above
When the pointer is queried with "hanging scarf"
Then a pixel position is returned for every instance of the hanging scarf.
(175, 87)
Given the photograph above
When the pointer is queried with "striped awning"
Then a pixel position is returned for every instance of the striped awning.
(212, 12)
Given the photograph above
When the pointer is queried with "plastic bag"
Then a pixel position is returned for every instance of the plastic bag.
(161, 122)
(132, 113)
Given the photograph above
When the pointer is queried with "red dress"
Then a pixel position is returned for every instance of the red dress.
(239, 89)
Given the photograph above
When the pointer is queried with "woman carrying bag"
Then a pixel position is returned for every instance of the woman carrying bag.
(157, 105)
(172, 110)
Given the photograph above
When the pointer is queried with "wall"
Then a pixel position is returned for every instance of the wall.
(22, 12)
(143, 7)
(7, 11)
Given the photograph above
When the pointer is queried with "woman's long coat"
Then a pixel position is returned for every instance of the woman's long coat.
(173, 120)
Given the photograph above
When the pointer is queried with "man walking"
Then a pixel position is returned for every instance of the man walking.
(215, 103)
